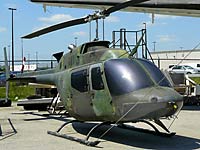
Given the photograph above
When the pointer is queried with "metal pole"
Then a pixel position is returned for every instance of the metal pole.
(90, 31)
(7, 74)
(136, 40)
(103, 30)
(154, 46)
(22, 50)
(182, 51)
(51, 62)
(113, 35)
(12, 9)
(12, 125)
(121, 38)
(36, 60)
(97, 29)
(124, 31)
(9, 56)
(75, 41)
(145, 28)
(28, 62)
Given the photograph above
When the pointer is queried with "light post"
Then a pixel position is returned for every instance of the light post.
(154, 46)
(182, 51)
(75, 41)
(22, 50)
(36, 59)
(12, 9)
(9, 56)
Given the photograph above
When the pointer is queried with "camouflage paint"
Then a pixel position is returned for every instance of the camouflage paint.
(105, 107)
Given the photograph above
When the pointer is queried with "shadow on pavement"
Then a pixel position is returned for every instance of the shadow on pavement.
(137, 139)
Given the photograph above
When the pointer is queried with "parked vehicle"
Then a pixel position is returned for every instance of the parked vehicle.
(194, 65)
(183, 69)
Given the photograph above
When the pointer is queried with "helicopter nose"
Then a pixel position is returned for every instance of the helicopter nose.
(154, 102)
(173, 101)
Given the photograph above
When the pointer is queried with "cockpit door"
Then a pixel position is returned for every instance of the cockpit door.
(100, 95)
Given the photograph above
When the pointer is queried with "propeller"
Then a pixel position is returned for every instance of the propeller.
(89, 18)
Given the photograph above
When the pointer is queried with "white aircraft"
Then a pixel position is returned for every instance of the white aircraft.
(166, 7)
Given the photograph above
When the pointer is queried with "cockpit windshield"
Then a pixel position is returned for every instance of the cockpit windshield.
(126, 75)
(155, 73)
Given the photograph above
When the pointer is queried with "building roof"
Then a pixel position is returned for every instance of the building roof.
(175, 51)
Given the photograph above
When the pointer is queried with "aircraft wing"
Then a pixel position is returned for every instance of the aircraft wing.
(167, 7)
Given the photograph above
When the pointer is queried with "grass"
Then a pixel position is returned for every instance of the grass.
(17, 92)
(196, 80)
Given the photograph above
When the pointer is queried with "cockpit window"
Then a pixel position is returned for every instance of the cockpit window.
(155, 73)
(97, 82)
(125, 75)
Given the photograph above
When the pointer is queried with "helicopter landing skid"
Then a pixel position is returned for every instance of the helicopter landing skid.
(155, 132)
(82, 141)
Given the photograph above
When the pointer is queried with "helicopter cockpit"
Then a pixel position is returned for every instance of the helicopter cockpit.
(92, 46)
(126, 75)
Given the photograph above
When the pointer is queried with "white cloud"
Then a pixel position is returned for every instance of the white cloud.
(56, 18)
(112, 19)
(166, 38)
(11, 5)
(80, 33)
(2, 29)
(158, 16)
(48, 21)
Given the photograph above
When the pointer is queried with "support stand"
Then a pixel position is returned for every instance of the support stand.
(8, 134)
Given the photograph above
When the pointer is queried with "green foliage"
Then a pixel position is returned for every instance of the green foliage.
(2, 68)
(17, 92)
(196, 80)
(2, 92)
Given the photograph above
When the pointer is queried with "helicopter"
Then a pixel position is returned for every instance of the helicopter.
(107, 85)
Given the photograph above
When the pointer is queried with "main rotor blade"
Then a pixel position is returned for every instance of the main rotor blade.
(82, 20)
(122, 6)
(56, 27)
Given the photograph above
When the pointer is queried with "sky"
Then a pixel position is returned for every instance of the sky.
(169, 32)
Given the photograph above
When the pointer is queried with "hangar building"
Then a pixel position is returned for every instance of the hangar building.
(164, 59)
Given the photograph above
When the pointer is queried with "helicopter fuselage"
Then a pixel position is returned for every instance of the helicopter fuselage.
(97, 83)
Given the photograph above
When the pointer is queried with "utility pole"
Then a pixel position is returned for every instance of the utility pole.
(22, 49)
(12, 9)
(75, 41)
(182, 51)
(154, 46)
(9, 56)
(36, 59)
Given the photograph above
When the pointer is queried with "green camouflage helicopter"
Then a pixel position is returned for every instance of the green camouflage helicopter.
(98, 83)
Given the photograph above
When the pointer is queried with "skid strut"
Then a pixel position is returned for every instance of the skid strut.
(94, 143)
(82, 141)
(155, 132)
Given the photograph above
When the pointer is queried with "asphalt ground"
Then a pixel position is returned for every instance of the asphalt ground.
(32, 127)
